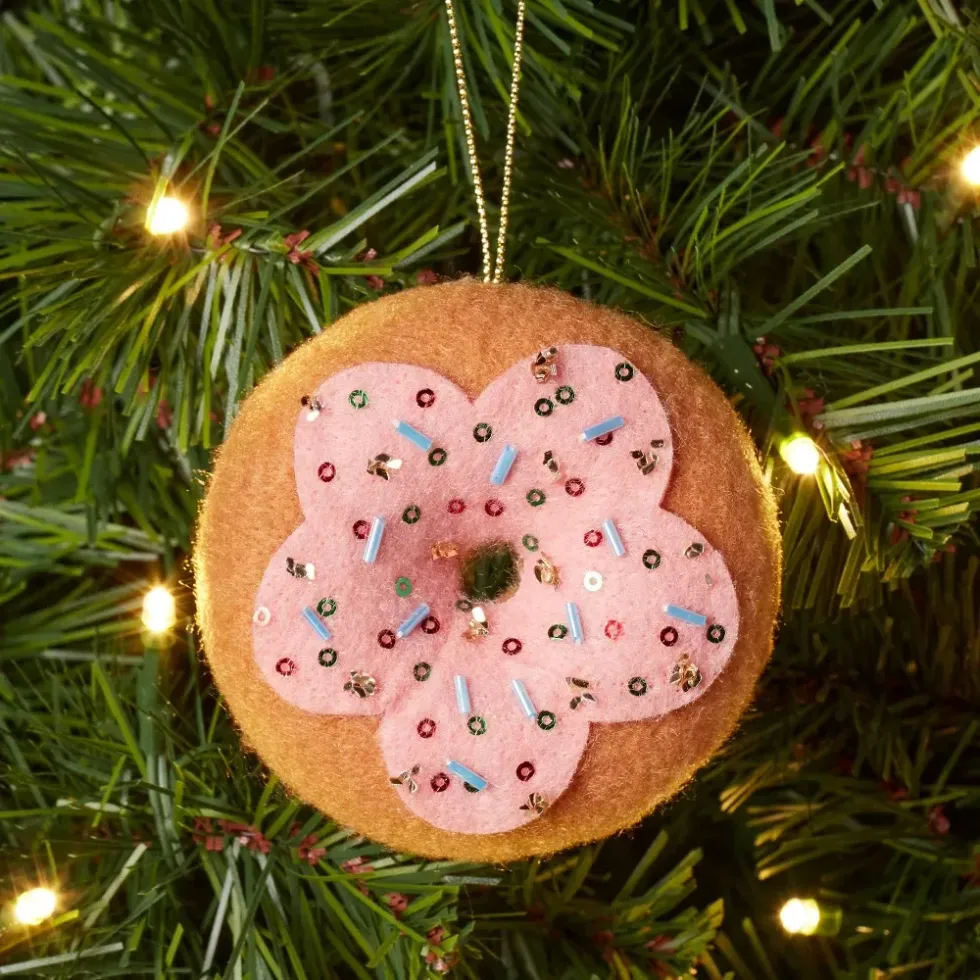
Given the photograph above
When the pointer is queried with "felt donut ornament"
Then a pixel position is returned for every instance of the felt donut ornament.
(485, 571)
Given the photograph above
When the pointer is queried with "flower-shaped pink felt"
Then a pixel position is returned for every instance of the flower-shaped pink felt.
(481, 734)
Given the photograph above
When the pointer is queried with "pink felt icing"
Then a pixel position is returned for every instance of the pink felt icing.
(623, 621)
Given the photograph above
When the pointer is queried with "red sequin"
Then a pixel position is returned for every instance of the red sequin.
(426, 728)
(603, 440)
(425, 398)
(361, 529)
(593, 538)
(386, 638)
(440, 782)
(668, 636)
(285, 666)
(575, 487)
(494, 508)
(456, 506)
(614, 629)
(326, 472)
(512, 646)
(525, 771)
(430, 625)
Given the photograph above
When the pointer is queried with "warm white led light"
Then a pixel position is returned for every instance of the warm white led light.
(34, 906)
(159, 610)
(970, 167)
(167, 216)
(800, 916)
(801, 454)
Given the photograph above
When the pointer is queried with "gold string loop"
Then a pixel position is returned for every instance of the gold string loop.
(492, 271)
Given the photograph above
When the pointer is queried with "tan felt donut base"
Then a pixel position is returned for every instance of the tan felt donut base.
(471, 332)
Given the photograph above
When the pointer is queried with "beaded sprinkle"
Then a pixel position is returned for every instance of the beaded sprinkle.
(685, 615)
(413, 435)
(374, 540)
(574, 621)
(462, 694)
(466, 774)
(524, 699)
(612, 536)
(504, 464)
(319, 626)
(601, 428)
(414, 620)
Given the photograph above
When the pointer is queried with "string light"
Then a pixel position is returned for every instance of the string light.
(159, 610)
(167, 216)
(800, 453)
(970, 167)
(34, 906)
(806, 917)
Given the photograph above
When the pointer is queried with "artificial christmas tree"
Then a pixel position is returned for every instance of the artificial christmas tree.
(190, 190)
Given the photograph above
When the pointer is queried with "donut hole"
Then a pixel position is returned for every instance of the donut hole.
(490, 572)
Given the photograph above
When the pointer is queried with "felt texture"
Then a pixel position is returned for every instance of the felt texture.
(470, 333)
(631, 645)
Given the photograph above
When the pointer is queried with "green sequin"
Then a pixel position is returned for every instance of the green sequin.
(546, 720)
(544, 407)
(358, 398)
(421, 671)
(476, 725)
(557, 632)
(326, 607)
(411, 514)
(624, 371)
(437, 456)
(483, 432)
(403, 586)
(536, 497)
(530, 542)
(637, 686)
(327, 657)
(565, 395)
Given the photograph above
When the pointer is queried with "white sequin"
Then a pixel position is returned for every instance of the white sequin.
(593, 581)
(262, 616)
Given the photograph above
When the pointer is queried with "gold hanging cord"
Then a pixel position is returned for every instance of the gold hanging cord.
(491, 272)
